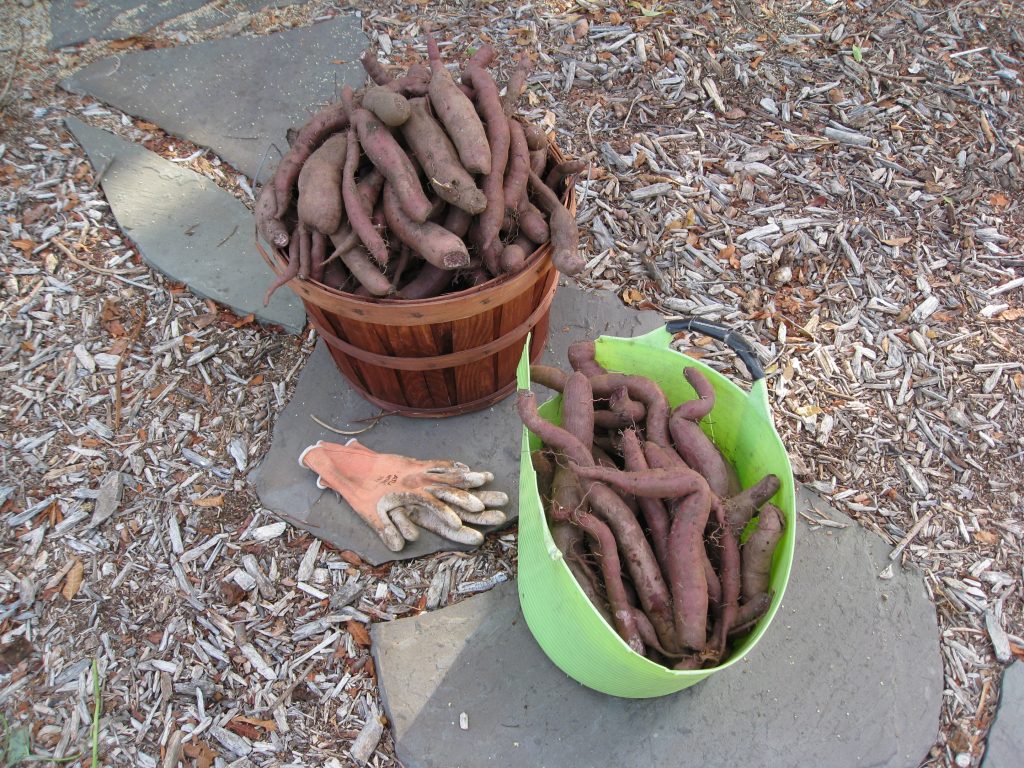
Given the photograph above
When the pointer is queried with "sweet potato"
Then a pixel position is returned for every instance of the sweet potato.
(535, 137)
(366, 272)
(578, 409)
(697, 450)
(644, 390)
(740, 508)
(548, 376)
(483, 56)
(565, 237)
(488, 104)
(432, 241)
(429, 282)
(557, 175)
(538, 161)
(457, 114)
(544, 468)
(457, 221)
(356, 207)
(653, 510)
(685, 567)
(390, 107)
(324, 123)
(582, 357)
(517, 170)
(268, 224)
(513, 258)
(320, 204)
(317, 256)
(290, 271)
(532, 224)
(604, 543)
(649, 483)
(305, 245)
(640, 560)
(748, 614)
(628, 409)
(440, 160)
(375, 68)
(702, 405)
(516, 85)
(390, 159)
(729, 575)
(757, 552)
(569, 539)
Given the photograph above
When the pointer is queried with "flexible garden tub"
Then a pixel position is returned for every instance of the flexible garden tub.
(560, 616)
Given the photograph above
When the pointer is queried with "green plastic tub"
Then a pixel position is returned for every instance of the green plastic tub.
(563, 621)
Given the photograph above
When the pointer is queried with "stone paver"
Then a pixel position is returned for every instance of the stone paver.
(187, 227)
(487, 439)
(77, 21)
(848, 675)
(237, 96)
(1005, 745)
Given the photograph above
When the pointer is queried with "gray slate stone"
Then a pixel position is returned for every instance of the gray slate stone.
(487, 439)
(848, 675)
(1005, 745)
(187, 227)
(238, 96)
(77, 21)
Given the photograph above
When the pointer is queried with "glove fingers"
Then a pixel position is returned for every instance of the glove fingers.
(401, 520)
(492, 498)
(387, 531)
(487, 517)
(411, 499)
(458, 475)
(425, 518)
(456, 497)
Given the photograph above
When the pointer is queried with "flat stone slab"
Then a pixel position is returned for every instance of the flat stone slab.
(77, 21)
(187, 227)
(237, 96)
(1005, 745)
(488, 439)
(848, 675)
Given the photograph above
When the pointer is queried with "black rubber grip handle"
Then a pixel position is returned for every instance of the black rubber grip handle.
(735, 340)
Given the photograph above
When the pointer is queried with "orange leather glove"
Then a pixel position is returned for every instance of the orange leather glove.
(394, 494)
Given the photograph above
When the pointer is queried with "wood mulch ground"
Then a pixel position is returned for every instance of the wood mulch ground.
(841, 181)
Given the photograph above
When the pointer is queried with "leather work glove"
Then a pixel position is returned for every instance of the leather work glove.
(394, 494)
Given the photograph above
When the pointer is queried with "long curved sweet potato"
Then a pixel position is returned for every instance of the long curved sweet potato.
(488, 103)
(582, 357)
(440, 160)
(653, 510)
(457, 114)
(697, 450)
(355, 205)
(366, 272)
(565, 237)
(389, 158)
(517, 170)
(324, 123)
(557, 175)
(430, 281)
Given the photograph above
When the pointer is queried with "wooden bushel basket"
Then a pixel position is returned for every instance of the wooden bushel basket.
(442, 356)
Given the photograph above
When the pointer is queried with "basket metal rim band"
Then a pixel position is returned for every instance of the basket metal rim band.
(451, 359)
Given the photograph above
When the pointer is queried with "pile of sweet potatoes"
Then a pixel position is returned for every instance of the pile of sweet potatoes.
(649, 514)
(418, 185)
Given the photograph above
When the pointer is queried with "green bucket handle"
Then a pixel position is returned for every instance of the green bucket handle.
(735, 340)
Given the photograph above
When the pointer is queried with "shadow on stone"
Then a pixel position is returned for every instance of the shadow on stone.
(237, 96)
(849, 674)
(187, 227)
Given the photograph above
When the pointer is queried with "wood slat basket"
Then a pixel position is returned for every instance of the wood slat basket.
(435, 357)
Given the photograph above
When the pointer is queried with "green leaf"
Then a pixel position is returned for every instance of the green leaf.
(19, 745)
(858, 55)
